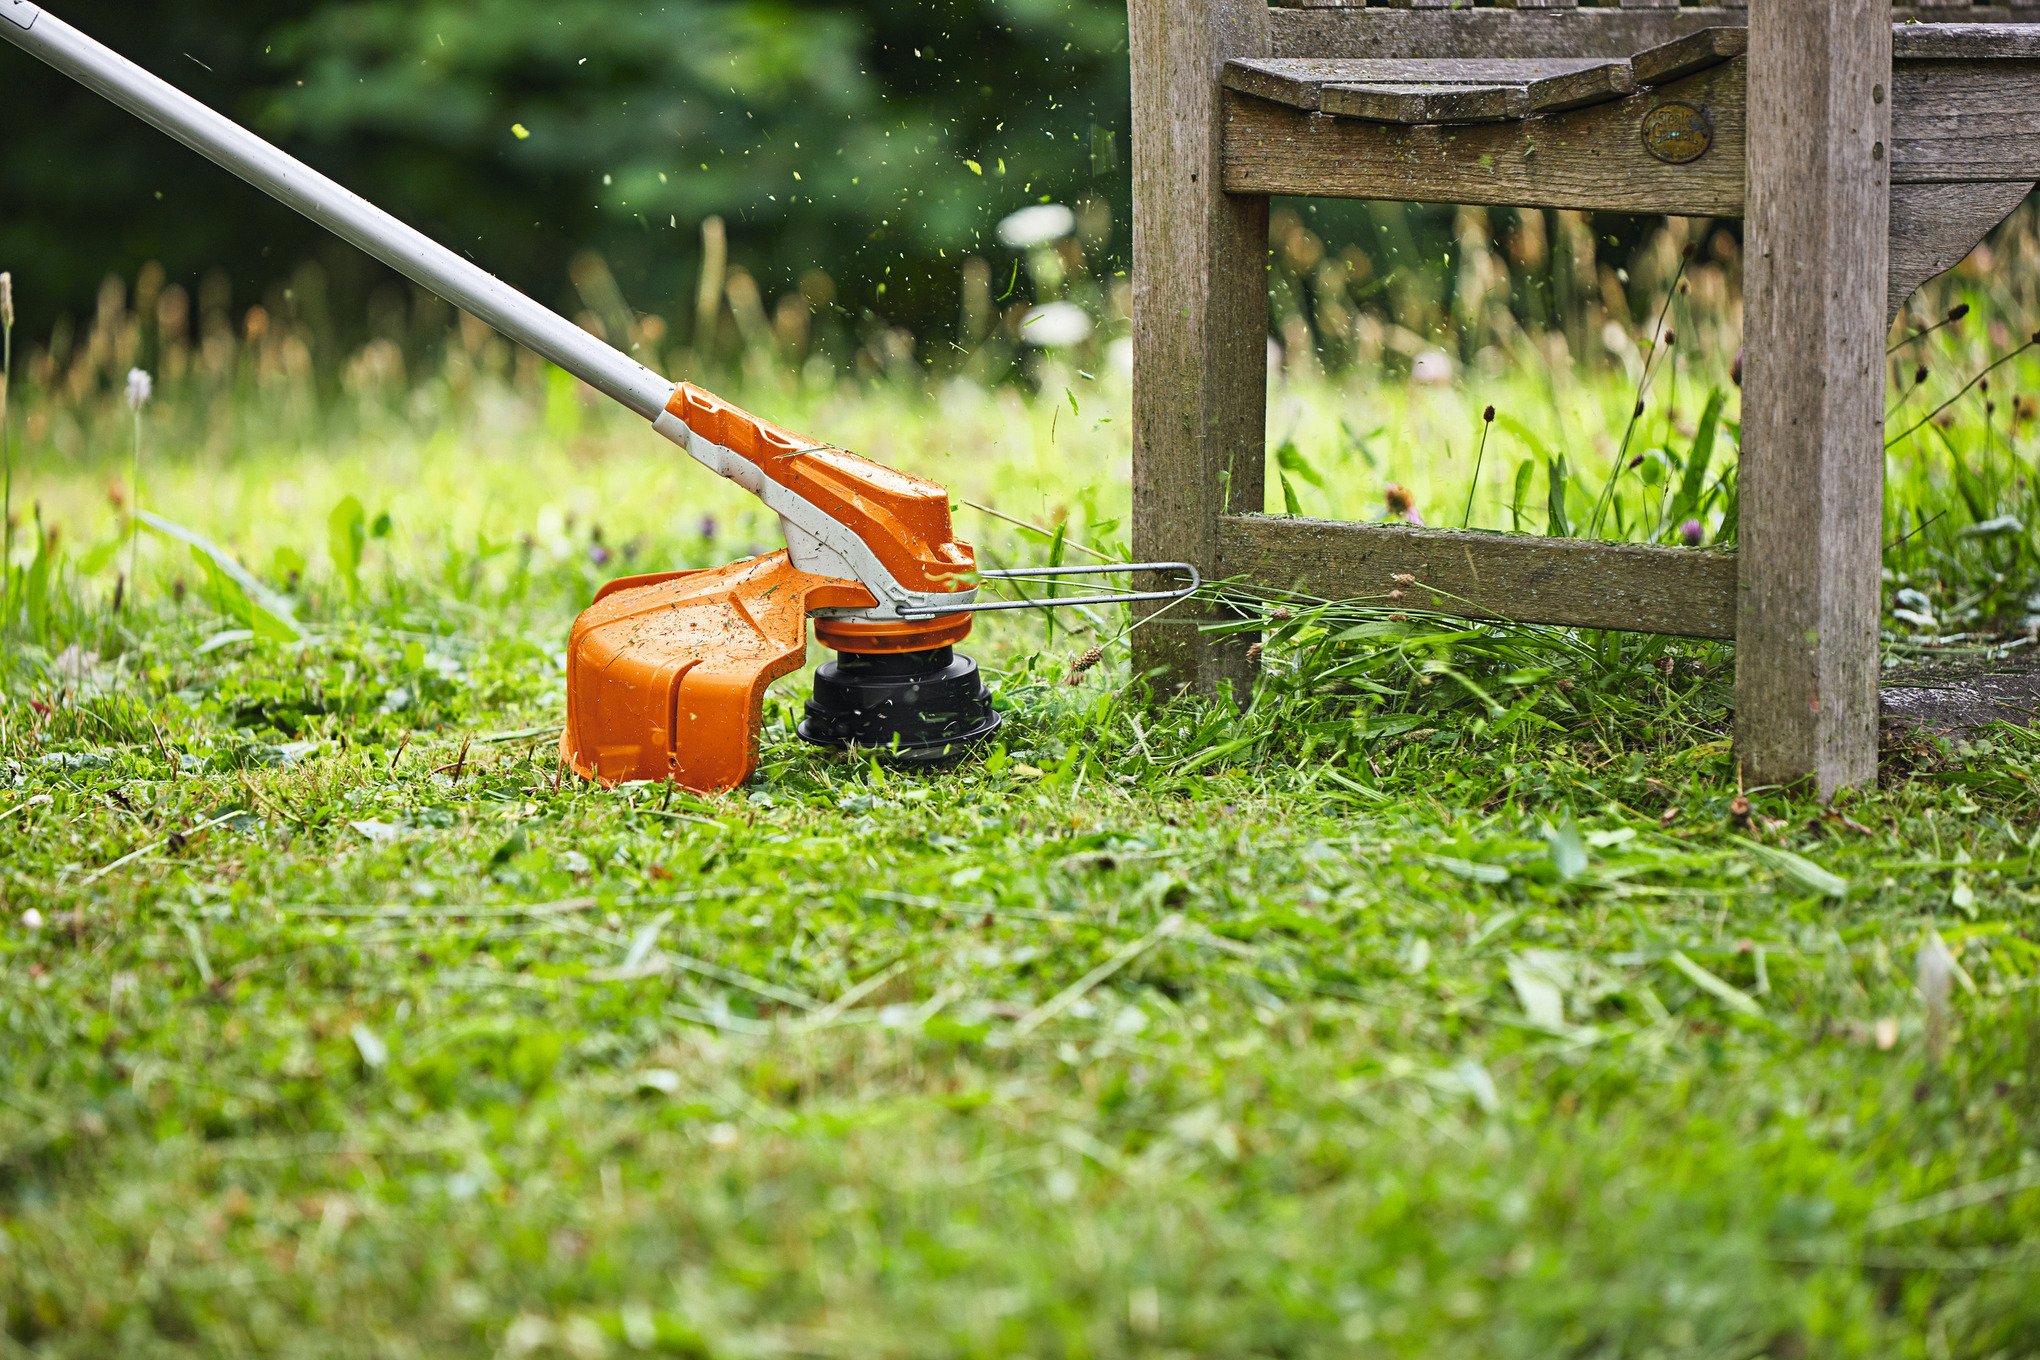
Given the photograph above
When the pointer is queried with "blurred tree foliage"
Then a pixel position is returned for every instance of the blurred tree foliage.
(875, 140)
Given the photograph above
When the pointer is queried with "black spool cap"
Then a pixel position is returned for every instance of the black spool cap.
(913, 708)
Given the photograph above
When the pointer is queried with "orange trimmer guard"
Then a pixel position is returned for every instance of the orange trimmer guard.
(666, 674)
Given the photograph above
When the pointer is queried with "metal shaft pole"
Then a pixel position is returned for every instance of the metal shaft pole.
(344, 213)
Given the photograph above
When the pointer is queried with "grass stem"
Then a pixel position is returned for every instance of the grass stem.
(1912, 429)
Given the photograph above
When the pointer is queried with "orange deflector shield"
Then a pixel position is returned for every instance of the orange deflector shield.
(666, 674)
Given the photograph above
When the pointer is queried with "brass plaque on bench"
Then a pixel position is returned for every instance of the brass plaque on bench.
(1676, 133)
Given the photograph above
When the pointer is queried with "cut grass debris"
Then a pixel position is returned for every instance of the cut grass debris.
(1451, 998)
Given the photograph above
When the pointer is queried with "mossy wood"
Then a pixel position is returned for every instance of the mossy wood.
(1578, 582)
(1591, 158)
(1965, 121)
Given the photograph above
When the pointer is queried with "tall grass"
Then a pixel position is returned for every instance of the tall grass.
(1609, 366)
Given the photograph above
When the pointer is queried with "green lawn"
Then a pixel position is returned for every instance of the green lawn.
(1449, 1001)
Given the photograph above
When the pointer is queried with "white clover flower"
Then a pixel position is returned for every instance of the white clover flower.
(1055, 325)
(1037, 226)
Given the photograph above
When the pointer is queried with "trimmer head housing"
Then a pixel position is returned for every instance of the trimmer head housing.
(910, 708)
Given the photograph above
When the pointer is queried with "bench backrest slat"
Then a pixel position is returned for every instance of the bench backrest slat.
(1944, 11)
(1408, 29)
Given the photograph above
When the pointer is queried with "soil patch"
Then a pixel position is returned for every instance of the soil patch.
(1956, 695)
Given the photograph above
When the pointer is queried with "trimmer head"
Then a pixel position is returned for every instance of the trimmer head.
(911, 708)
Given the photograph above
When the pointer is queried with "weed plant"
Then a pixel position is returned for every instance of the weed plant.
(1450, 998)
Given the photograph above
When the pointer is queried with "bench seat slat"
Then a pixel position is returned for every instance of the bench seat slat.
(1684, 56)
(1298, 81)
(1547, 84)
(1421, 105)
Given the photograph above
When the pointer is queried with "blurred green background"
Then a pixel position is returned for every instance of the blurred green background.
(869, 141)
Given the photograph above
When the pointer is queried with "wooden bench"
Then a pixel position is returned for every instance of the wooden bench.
(1864, 156)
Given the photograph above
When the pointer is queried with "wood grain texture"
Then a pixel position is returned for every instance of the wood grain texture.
(1965, 121)
(1200, 316)
(1577, 89)
(1527, 579)
(1388, 33)
(1419, 105)
(1812, 480)
(1588, 158)
(1971, 41)
(1299, 81)
(1952, 122)
(1337, 30)
(1935, 226)
(1685, 56)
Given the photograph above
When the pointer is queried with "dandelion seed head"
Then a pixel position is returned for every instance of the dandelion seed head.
(139, 388)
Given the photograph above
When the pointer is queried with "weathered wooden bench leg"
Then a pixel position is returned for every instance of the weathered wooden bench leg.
(1812, 480)
(1200, 318)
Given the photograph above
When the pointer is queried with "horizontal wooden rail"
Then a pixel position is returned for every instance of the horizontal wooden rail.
(1523, 578)
(1967, 120)
(1482, 32)
(1953, 122)
(1348, 31)
(1592, 158)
